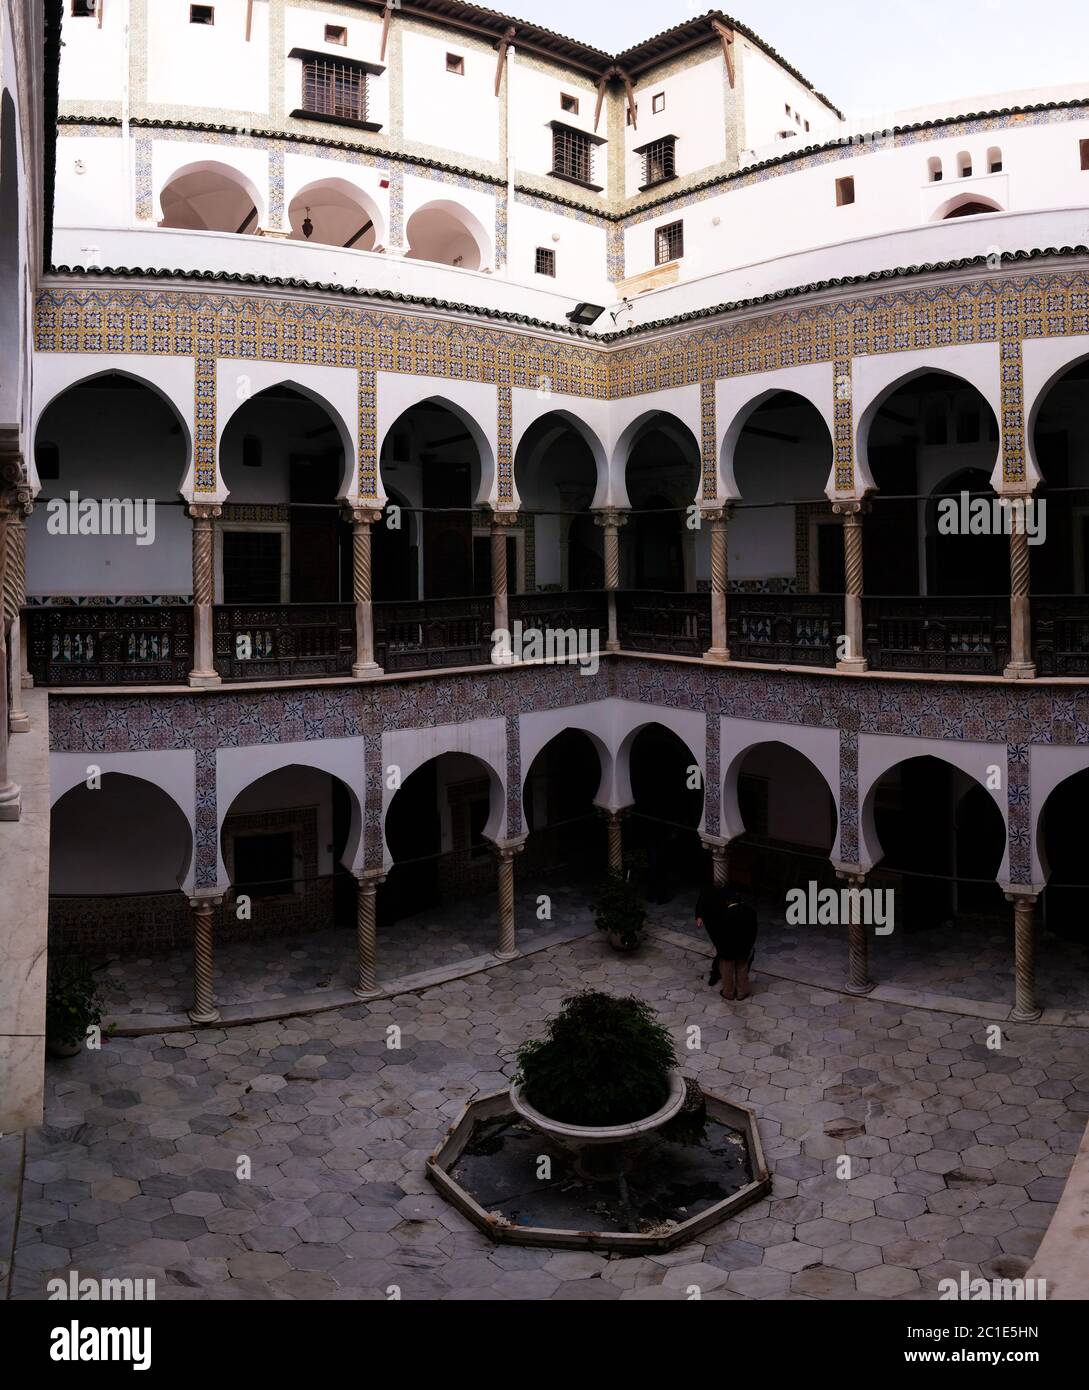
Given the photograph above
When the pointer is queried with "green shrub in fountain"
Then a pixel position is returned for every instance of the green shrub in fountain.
(604, 1061)
(71, 1006)
(619, 912)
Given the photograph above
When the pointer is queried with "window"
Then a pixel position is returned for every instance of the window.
(787, 109)
(669, 243)
(572, 154)
(455, 64)
(964, 164)
(658, 102)
(934, 169)
(83, 9)
(994, 160)
(545, 261)
(334, 89)
(807, 125)
(336, 33)
(659, 160)
(1084, 147)
(845, 192)
(202, 14)
(569, 104)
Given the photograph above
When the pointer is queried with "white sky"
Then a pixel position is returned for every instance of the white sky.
(866, 55)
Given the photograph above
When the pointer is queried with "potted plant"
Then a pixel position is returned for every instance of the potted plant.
(619, 913)
(71, 1007)
(606, 1071)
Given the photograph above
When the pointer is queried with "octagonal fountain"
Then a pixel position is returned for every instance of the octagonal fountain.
(525, 1167)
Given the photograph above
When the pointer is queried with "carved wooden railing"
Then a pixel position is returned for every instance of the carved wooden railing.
(427, 634)
(789, 629)
(958, 636)
(281, 641)
(584, 612)
(1060, 634)
(141, 645)
(670, 623)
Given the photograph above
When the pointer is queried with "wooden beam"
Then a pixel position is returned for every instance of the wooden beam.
(603, 82)
(501, 60)
(632, 108)
(249, 19)
(727, 37)
(386, 17)
(352, 241)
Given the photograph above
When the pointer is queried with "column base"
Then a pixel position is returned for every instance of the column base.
(11, 802)
(213, 1016)
(506, 955)
(717, 655)
(1020, 671)
(366, 994)
(1031, 1016)
(19, 723)
(853, 664)
(26, 682)
(867, 988)
(367, 670)
(613, 647)
(204, 680)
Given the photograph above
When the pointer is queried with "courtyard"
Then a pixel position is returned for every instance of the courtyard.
(958, 1151)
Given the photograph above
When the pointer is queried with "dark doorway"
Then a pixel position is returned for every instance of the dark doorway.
(319, 536)
(667, 802)
(966, 564)
(447, 530)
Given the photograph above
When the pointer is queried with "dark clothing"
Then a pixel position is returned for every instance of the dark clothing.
(731, 925)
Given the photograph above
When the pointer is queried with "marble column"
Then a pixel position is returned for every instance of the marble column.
(615, 833)
(719, 649)
(14, 600)
(505, 852)
(362, 519)
(858, 943)
(366, 933)
(610, 519)
(1020, 665)
(718, 848)
(203, 516)
(1025, 1008)
(10, 794)
(203, 907)
(852, 512)
(500, 522)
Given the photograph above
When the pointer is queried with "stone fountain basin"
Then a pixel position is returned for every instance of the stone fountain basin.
(579, 1136)
(497, 1108)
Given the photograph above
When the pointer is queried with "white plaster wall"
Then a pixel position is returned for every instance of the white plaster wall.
(168, 157)
(599, 720)
(1049, 764)
(443, 110)
(93, 57)
(208, 65)
(695, 112)
(768, 88)
(478, 202)
(97, 197)
(580, 253)
(536, 103)
(302, 170)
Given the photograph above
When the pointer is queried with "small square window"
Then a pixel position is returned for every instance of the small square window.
(996, 166)
(845, 192)
(545, 261)
(669, 243)
(657, 102)
(807, 125)
(1084, 146)
(83, 9)
(202, 14)
(966, 171)
(569, 104)
(336, 33)
(455, 63)
(787, 109)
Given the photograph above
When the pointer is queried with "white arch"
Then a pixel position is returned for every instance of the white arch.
(469, 222)
(962, 199)
(589, 418)
(228, 172)
(1045, 362)
(171, 379)
(171, 770)
(476, 405)
(690, 726)
(1050, 765)
(334, 389)
(737, 739)
(311, 191)
(879, 376)
(670, 423)
(482, 739)
(737, 397)
(879, 753)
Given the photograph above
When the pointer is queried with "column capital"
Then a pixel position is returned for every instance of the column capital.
(713, 842)
(502, 516)
(1022, 892)
(850, 506)
(505, 850)
(370, 878)
(204, 511)
(362, 513)
(717, 511)
(206, 897)
(611, 516)
(612, 812)
(852, 874)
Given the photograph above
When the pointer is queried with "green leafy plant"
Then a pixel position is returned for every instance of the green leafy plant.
(619, 911)
(71, 1003)
(603, 1061)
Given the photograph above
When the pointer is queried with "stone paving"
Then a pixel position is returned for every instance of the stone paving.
(958, 1152)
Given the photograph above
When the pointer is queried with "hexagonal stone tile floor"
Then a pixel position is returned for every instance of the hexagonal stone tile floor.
(285, 1160)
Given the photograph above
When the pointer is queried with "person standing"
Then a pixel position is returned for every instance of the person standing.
(731, 923)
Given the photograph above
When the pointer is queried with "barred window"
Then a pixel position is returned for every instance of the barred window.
(572, 154)
(669, 243)
(334, 89)
(659, 160)
(545, 261)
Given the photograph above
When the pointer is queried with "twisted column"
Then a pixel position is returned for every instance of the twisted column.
(501, 522)
(203, 516)
(615, 833)
(610, 519)
(720, 862)
(858, 943)
(852, 512)
(14, 601)
(203, 907)
(504, 854)
(1021, 665)
(720, 578)
(12, 484)
(362, 519)
(1025, 1009)
(366, 934)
